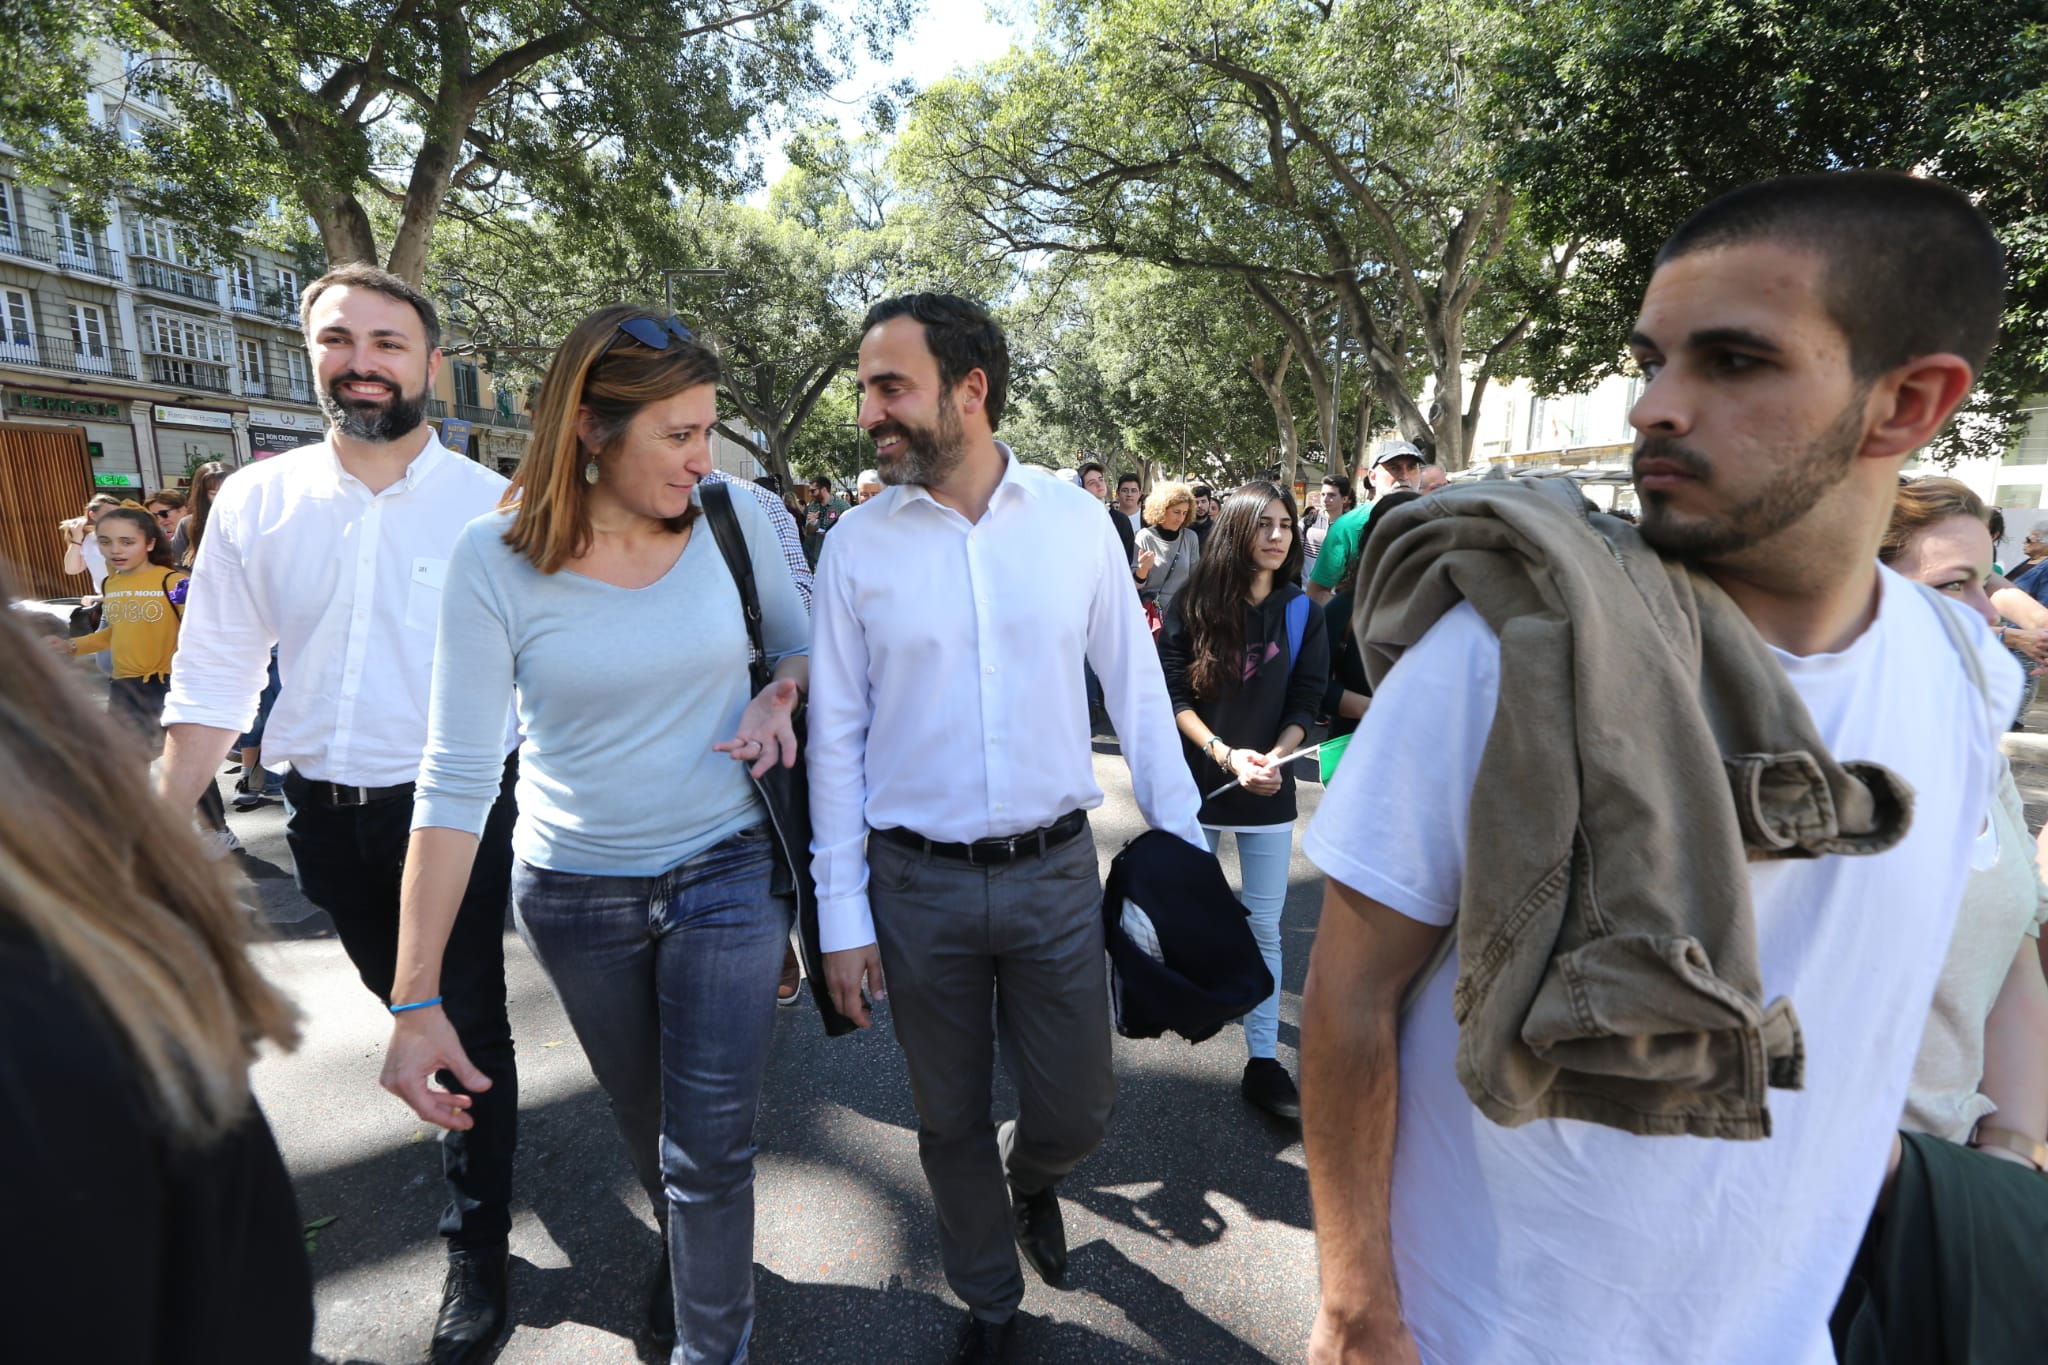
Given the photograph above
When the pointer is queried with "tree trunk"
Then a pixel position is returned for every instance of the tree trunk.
(345, 231)
(427, 190)
(1275, 386)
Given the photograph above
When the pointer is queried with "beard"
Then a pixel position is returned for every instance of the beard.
(1798, 480)
(382, 421)
(929, 454)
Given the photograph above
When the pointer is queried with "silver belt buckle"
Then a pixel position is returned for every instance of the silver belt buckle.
(349, 797)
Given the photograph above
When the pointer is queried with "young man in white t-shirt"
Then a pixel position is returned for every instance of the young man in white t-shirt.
(1800, 340)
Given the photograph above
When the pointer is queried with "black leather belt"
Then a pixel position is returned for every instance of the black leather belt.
(336, 795)
(994, 852)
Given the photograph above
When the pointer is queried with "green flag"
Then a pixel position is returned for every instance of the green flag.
(1327, 754)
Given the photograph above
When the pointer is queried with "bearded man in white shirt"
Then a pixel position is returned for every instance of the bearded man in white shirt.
(1800, 339)
(335, 554)
(951, 774)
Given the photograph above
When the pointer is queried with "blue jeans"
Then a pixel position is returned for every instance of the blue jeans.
(1262, 860)
(669, 982)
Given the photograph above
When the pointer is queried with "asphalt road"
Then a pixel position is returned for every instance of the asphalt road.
(1188, 1230)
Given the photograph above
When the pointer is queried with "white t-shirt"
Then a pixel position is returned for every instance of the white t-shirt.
(1567, 1241)
(95, 559)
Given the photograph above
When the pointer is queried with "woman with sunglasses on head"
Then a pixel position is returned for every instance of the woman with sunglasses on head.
(1247, 658)
(599, 598)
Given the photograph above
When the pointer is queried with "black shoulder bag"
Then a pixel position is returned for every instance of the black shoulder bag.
(785, 792)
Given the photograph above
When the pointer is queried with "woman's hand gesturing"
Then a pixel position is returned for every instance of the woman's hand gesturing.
(767, 729)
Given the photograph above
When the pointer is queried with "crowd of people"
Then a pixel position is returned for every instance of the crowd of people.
(1602, 1058)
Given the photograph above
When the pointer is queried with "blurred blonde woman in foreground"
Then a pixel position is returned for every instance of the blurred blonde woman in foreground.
(147, 1213)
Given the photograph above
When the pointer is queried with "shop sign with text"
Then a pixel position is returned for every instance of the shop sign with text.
(195, 417)
(61, 405)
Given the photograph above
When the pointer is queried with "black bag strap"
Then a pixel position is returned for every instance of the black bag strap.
(716, 499)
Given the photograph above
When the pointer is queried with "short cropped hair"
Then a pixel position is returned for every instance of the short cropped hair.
(1088, 467)
(357, 275)
(961, 336)
(169, 497)
(1912, 269)
(1123, 479)
(1202, 490)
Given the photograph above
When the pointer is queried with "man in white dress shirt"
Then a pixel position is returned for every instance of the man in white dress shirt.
(334, 553)
(951, 774)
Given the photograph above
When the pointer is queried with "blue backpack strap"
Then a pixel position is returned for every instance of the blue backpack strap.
(1297, 625)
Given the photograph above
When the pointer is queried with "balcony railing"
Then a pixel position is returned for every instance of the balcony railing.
(18, 350)
(28, 242)
(491, 417)
(167, 280)
(437, 408)
(94, 260)
(281, 387)
(276, 310)
(177, 373)
(66, 356)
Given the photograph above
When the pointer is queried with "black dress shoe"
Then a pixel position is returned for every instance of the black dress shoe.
(1041, 1233)
(661, 1303)
(981, 1343)
(473, 1314)
(1266, 1085)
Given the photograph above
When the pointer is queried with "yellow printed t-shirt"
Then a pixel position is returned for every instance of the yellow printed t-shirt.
(138, 622)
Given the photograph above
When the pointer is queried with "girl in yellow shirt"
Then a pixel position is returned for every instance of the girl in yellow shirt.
(142, 606)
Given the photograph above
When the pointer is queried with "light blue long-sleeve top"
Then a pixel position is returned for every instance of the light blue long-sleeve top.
(621, 694)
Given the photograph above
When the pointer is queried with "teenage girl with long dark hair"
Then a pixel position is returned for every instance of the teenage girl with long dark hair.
(142, 606)
(1246, 659)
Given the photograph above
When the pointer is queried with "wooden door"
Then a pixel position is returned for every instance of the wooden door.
(45, 477)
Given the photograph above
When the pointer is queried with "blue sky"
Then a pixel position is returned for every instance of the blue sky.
(949, 34)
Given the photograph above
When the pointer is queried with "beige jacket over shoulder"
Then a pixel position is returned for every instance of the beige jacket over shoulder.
(1646, 747)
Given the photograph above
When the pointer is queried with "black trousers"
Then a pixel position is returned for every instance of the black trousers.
(348, 861)
(139, 703)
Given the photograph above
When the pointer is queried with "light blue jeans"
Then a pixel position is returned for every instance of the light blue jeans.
(669, 982)
(1262, 861)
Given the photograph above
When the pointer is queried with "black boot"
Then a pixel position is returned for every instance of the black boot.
(473, 1315)
(661, 1303)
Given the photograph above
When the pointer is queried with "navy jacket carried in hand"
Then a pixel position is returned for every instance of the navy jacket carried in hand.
(1202, 968)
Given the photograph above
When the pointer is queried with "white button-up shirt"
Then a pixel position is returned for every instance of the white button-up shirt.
(946, 693)
(300, 554)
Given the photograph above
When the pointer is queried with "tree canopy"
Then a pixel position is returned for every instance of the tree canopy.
(1620, 120)
(380, 116)
(1343, 148)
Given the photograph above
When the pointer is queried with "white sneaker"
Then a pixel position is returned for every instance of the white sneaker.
(219, 843)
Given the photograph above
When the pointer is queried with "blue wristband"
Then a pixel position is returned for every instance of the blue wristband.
(416, 1005)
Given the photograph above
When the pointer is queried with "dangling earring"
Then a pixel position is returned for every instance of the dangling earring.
(590, 470)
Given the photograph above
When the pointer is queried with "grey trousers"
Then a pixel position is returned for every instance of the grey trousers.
(972, 954)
